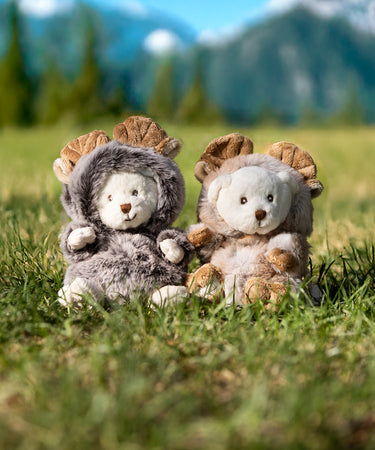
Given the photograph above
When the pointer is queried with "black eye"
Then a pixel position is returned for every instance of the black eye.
(243, 200)
(270, 198)
(135, 193)
(110, 198)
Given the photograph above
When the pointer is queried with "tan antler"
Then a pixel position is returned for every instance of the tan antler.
(219, 150)
(140, 131)
(300, 160)
(72, 152)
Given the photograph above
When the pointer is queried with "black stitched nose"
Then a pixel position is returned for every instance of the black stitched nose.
(126, 207)
(260, 214)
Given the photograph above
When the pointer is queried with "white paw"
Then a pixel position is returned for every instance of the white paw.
(169, 294)
(72, 295)
(172, 251)
(80, 237)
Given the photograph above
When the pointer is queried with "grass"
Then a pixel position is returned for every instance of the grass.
(191, 376)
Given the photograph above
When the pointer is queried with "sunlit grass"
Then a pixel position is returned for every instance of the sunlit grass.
(191, 376)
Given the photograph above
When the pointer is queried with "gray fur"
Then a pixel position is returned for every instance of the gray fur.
(125, 262)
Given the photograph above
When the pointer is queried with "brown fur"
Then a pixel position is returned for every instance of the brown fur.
(72, 152)
(221, 149)
(140, 131)
(202, 278)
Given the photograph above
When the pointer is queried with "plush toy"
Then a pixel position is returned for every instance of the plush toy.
(255, 215)
(122, 197)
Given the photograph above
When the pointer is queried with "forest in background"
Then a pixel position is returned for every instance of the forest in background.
(199, 85)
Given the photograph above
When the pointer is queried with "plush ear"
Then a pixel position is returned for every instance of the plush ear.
(76, 148)
(61, 170)
(216, 186)
(299, 160)
(146, 173)
(219, 150)
(316, 187)
(287, 178)
(140, 131)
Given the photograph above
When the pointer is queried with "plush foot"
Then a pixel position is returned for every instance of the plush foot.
(206, 282)
(269, 293)
(169, 295)
(72, 295)
(255, 289)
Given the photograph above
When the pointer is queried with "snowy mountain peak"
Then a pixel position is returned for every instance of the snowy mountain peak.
(361, 13)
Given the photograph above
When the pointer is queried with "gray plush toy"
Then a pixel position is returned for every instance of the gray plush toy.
(123, 197)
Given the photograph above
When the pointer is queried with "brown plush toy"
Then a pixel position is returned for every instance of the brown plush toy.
(255, 215)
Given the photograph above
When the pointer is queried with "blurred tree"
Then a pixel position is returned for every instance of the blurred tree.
(195, 107)
(269, 116)
(52, 102)
(85, 100)
(16, 95)
(116, 102)
(352, 111)
(162, 101)
(310, 116)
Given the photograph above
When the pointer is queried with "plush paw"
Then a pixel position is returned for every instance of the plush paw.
(169, 295)
(283, 260)
(200, 237)
(206, 282)
(80, 237)
(172, 251)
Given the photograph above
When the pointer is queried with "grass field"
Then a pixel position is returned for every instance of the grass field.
(191, 376)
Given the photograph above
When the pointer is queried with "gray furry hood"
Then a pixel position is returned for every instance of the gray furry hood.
(89, 175)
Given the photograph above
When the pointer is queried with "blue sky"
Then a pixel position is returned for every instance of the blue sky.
(202, 15)
(216, 20)
(205, 14)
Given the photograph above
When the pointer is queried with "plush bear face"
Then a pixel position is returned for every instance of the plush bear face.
(253, 199)
(127, 200)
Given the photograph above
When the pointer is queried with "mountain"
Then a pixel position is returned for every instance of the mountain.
(291, 62)
(360, 13)
(120, 35)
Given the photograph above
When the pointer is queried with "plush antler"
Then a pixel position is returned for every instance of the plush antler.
(140, 131)
(219, 150)
(78, 147)
(300, 160)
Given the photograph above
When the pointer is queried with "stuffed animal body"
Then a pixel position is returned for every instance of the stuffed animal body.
(255, 215)
(122, 201)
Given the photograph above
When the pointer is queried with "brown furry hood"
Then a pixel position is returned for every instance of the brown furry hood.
(300, 217)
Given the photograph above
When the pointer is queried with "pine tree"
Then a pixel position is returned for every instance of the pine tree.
(15, 85)
(162, 101)
(352, 111)
(52, 101)
(85, 97)
(195, 107)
